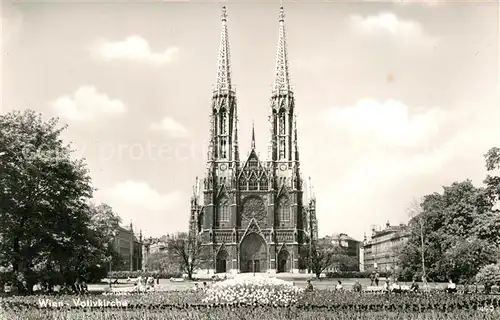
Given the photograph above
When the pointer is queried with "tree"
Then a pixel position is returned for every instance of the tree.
(44, 193)
(103, 227)
(322, 254)
(415, 212)
(455, 215)
(163, 261)
(188, 251)
(346, 262)
(489, 275)
(463, 260)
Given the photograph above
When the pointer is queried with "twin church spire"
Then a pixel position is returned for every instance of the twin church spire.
(282, 76)
(224, 140)
(223, 81)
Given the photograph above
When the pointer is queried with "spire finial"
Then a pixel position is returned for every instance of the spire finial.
(224, 14)
(223, 61)
(282, 80)
(253, 135)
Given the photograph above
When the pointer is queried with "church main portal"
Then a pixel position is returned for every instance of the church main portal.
(253, 254)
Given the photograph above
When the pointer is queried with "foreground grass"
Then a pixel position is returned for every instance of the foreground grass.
(247, 313)
(321, 304)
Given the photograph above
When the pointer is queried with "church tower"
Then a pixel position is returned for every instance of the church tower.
(223, 154)
(252, 217)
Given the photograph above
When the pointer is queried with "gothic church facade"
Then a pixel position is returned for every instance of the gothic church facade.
(252, 215)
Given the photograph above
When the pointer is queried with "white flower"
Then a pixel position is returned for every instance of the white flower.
(254, 290)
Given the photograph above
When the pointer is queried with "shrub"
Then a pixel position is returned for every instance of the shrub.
(353, 274)
(489, 275)
(144, 274)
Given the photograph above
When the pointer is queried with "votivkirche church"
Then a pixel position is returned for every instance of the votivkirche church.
(252, 215)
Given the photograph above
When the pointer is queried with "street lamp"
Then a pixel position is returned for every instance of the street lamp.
(109, 259)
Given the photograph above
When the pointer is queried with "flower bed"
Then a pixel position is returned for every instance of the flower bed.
(254, 313)
(253, 290)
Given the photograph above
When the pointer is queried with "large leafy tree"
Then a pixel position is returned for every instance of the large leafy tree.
(46, 219)
(451, 230)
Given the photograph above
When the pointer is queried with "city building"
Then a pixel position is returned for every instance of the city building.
(129, 247)
(382, 249)
(351, 247)
(252, 215)
(153, 245)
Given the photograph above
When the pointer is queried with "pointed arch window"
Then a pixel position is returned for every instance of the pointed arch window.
(282, 148)
(223, 122)
(263, 184)
(253, 184)
(282, 117)
(224, 210)
(284, 209)
(223, 147)
(243, 183)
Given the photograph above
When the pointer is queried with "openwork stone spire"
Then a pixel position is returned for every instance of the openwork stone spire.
(223, 62)
(253, 136)
(282, 80)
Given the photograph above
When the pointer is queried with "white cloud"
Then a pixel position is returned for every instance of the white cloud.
(140, 194)
(86, 103)
(388, 23)
(389, 121)
(134, 48)
(171, 127)
(153, 212)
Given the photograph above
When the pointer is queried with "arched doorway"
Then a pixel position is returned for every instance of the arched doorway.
(282, 261)
(253, 254)
(221, 262)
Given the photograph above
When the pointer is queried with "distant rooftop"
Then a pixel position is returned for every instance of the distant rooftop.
(342, 237)
(397, 229)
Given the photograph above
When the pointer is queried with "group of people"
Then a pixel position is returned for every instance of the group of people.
(395, 287)
(78, 287)
(197, 287)
(146, 283)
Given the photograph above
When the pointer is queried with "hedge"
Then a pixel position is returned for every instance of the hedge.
(144, 274)
(354, 274)
(168, 275)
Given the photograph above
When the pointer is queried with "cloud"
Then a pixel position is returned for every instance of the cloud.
(86, 103)
(390, 122)
(153, 212)
(140, 194)
(134, 48)
(171, 127)
(388, 23)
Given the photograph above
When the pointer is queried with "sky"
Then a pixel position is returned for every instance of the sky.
(394, 100)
